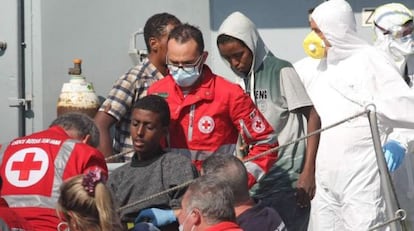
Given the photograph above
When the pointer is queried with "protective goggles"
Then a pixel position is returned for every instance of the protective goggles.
(399, 32)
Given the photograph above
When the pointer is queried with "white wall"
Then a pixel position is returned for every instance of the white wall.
(98, 31)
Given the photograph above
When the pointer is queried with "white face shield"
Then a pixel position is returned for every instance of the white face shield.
(394, 29)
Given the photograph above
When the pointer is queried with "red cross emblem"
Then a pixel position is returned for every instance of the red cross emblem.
(206, 124)
(27, 165)
(257, 125)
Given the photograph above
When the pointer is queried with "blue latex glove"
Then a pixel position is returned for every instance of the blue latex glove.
(158, 217)
(394, 154)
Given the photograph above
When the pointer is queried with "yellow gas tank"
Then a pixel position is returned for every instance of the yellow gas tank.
(77, 95)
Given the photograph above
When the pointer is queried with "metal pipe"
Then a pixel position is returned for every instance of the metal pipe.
(21, 79)
(390, 197)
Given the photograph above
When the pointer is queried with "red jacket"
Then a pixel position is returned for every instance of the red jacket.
(34, 167)
(11, 219)
(210, 117)
(224, 226)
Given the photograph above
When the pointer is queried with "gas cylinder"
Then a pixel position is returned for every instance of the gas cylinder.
(77, 95)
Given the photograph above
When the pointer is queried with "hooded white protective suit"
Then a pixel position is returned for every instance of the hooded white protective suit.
(353, 75)
(388, 17)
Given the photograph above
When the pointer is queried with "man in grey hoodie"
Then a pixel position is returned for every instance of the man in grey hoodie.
(280, 95)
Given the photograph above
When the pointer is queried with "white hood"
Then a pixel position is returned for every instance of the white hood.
(336, 20)
(387, 17)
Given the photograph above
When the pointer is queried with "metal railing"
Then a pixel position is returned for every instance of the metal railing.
(396, 215)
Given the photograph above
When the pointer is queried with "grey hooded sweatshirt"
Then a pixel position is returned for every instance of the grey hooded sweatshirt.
(277, 90)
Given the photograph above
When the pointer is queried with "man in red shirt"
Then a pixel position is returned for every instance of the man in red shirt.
(208, 112)
(33, 167)
(208, 205)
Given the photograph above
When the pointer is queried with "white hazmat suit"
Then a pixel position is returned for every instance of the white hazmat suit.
(394, 35)
(352, 76)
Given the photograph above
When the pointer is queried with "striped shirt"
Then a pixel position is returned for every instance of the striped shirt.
(121, 98)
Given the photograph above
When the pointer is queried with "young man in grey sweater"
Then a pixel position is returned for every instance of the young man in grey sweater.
(151, 170)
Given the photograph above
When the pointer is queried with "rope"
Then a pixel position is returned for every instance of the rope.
(245, 160)
(155, 195)
(306, 136)
(273, 149)
(400, 215)
(118, 155)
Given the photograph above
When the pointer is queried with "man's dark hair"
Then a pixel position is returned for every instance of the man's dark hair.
(156, 25)
(155, 104)
(185, 32)
(224, 38)
(310, 10)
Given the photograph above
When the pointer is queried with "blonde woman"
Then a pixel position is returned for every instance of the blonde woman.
(86, 204)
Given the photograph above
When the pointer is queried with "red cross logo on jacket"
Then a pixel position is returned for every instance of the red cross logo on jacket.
(26, 167)
(206, 124)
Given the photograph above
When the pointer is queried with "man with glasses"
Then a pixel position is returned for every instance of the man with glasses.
(207, 111)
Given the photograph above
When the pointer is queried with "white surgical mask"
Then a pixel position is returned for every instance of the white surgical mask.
(184, 78)
(61, 226)
(185, 75)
